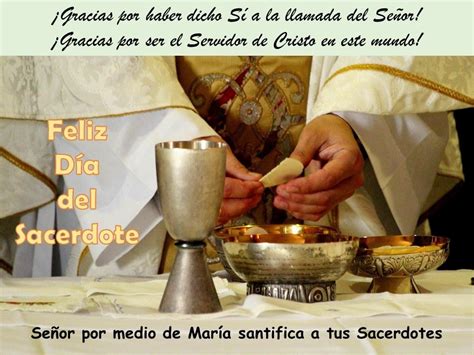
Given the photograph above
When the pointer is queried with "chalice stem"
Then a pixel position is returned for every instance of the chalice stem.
(190, 289)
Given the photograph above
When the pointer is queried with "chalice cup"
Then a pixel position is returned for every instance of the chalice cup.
(190, 187)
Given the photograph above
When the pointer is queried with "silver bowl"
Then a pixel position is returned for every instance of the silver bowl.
(393, 268)
(295, 262)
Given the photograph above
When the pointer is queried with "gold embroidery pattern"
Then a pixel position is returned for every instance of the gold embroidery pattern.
(250, 110)
(429, 84)
(28, 169)
(256, 104)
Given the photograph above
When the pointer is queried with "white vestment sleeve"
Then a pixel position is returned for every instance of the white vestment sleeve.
(127, 179)
(405, 152)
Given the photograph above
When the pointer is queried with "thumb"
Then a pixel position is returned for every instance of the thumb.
(305, 148)
(313, 166)
(235, 168)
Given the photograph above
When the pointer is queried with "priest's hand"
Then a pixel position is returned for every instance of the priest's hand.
(333, 161)
(242, 190)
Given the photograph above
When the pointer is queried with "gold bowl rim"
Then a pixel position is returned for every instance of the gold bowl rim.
(325, 235)
(368, 243)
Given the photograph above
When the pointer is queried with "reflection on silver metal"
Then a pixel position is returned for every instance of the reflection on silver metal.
(190, 186)
(219, 246)
(190, 289)
(395, 272)
(305, 293)
(294, 262)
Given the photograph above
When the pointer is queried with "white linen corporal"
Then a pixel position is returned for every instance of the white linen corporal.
(93, 295)
(128, 303)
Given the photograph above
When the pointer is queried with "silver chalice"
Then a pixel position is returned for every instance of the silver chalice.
(190, 186)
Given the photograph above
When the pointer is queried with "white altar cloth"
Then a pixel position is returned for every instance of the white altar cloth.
(129, 303)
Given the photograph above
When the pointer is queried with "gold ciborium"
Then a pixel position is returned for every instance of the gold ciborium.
(393, 261)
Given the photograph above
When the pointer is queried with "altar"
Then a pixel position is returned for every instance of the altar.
(120, 315)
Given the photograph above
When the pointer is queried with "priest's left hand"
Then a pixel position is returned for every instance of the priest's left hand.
(333, 161)
(242, 190)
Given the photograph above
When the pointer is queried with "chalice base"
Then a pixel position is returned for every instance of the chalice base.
(394, 285)
(190, 289)
(304, 292)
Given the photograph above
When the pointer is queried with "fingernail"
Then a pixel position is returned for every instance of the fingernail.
(284, 193)
(255, 174)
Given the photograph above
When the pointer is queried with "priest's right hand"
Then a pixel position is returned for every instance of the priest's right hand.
(242, 190)
(334, 166)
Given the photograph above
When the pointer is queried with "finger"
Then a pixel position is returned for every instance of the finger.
(313, 213)
(343, 165)
(233, 166)
(295, 207)
(236, 169)
(326, 199)
(308, 217)
(313, 166)
(233, 208)
(235, 188)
